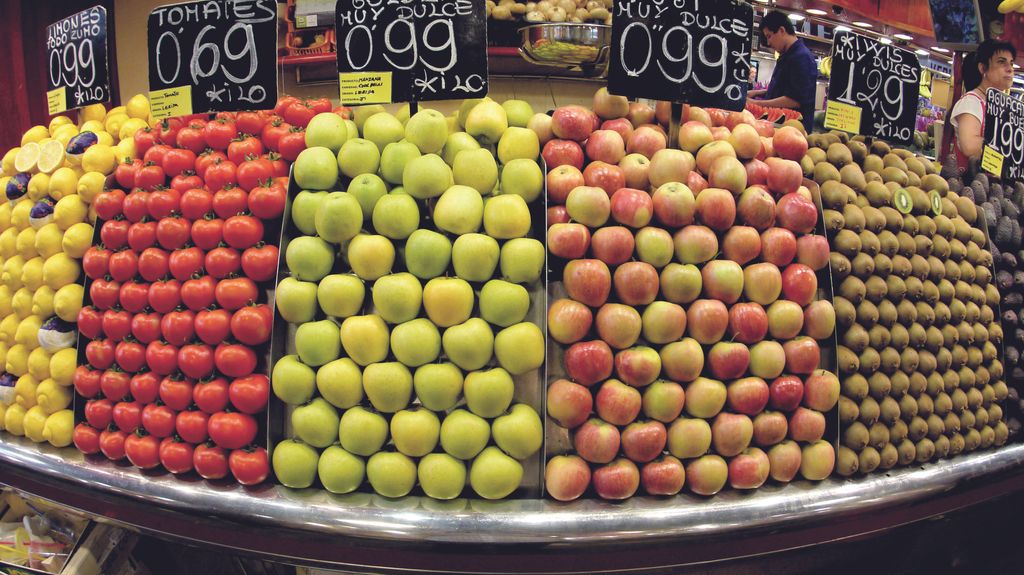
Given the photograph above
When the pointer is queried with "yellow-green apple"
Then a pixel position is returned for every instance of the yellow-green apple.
(694, 135)
(506, 217)
(608, 106)
(488, 393)
(573, 123)
(569, 403)
(806, 425)
(770, 428)
(731, 433)
(309, 258)
(475, 257)
(361, 113)
(316, 169)
(317, 343)
(326, 130)
(790, 143)
(748, 396)
(522, 177)
(597, 441)
(745, 139)
(477, 169)
(797, 213)
(340, 471)
(696, 114)
(366, 339)
(540, 123)
(561, 181)
(587, 281)
(767, 359)
(748, 322)
(295, 463)
(742, 244)
(292, 381)
(589, 205)
(764, 128)
(664, 476)
(802, 355)
(415, 431)
(644, 441)
(589, 362)
(812, 251)
(455, 143)
(370, 256)
(566, 477)
(519, 112)
(427, 176)
(395, 216)
(394, 158)
(358, 156)
(707, 475)
(519, 432)
(638, 366)
(613, 245)
(784, 176)
(716, 208)
(708, 154)
(640, 113)
(383, 128)
(818, 459)
(503, 303)
(785, 459)
(296, 300)
(608, 177)
(569, 321)
(707, 320)
(637, 169)
(695, 244)
(352, 129)
(821, 391)
(749, 469)
(696, 182)
(428, 130)
(464, 434)
(441, 476)
(705, 398)
(469, 345)
(459, 210)
(606, 146)
(682, 360)
(689, 438)
(397, 297)
(304, 208)
(448, 301)
(654, 246)
(757, 172)
(618, 325)
(681, 283)
(416, 342)
(617, 403)
(621, 126)
(663, 400)
(636, 283)
(728, 360)
(520, 348)
(663, 322)
(518, 143)
(674, 205)
(616, 481)
(729, 174)
(486, 122)
(340, 382)
(562, 153)
(785, 393)
(522, 260)
(438, 385)
(646, 141)
(785, 319)
(670, 165)
(388, 386)
(494, 475)
(631, 207)
(720, 133)
(427, 253)
(316, 423)
(391, 474)
(819, 319)
(570, 241)
(340, 217)
(722, 280)
(778, 246)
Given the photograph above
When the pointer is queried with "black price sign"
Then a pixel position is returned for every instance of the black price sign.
(1004, 136)
(694, 51)
(76, 52)
(873, 89)
(411, 50)
(212, 56)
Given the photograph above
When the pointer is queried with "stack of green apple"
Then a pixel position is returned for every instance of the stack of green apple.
(409, 281)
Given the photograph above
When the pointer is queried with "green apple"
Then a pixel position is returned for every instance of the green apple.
(353, 130)
(459, 210)
(519, 432)
(523, 178)
(295, 463)
(365, 338)
(317, 343)
(464, 434)
(339, 218)
(340, 382)
(361, 113)
(466, 107)
(519, 112)
(488, 393)
(397, 297)
(388, 386)
(448, 301)
(296, 300)
(394, 158)
(522, 260)
(326, 130)
(426, 177)
(367, 189)
(362, 431)
(476, 169)
(428, 129)
(503, 303)
(383, 129)
(506, 216)
(427, 254)
(292, 381)
(371, 256)
(416, 342)
(441, 476)
(475, 256)
(438, 385)
(494, 475)
(518, 143)
(403, 113)
(339, 295)
(486, 122)
(459, 142)
(309, 258)
(396, 216)
(304, 208)
(313, 171)
(340, 471)
(520, 348)
(391, 474)
(358, 156)
(415, 431)
(316, 423)
(470, 344)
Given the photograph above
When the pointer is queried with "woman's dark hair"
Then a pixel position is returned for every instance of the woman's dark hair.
(986, 50)
(775, 20)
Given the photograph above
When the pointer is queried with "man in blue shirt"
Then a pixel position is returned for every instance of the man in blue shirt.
(793, 81)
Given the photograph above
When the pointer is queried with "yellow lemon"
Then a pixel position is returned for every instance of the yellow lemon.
(8, 327)
(48, 240)
(91, 217)
(34, 134)
(42, 301)
(129, 127)
(4, 348)
(59, 428)
(77, 239)
(60, 270)
(35, 421)
(59, 121)
(21, 303)
(38, 186)
(67, 302)
(92, 112)
(6, 295)
(8, 162)
(64, 182)
(28, 334)
(3, 412)
(27, 243)
(62, 366)
(39, 365)
(117, 110)
(90, 185)
(27, 158)
(20, 213)
(70, 210)
(138, 106)
(99, 158)
(113, 122)
(5, 215)
(64, 136)
(14, 420)
(102, 137)
(25, 390)
(94, 125)
(12, 271)
(52, 397)
(51, 156)
(32, 273)
(125, 150)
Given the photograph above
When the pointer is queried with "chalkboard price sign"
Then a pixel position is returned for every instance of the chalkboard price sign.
(76, 54)
(1004, 136)
(212, 56)
(873, 89)
(694, 51)
(411, 50)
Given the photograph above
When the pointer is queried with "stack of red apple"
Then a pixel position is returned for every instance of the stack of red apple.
(176, 308)
(690, 321)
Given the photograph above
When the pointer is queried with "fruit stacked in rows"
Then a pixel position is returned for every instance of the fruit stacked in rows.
(45, 229)
(915, 304)
(409, 269)
(690, 319)
(177, 317)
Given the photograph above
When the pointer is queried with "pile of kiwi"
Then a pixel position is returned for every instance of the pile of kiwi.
(920, 347)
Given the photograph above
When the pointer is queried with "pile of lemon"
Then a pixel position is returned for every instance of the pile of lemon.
(46, 226)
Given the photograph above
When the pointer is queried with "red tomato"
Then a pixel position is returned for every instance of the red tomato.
(100, 353)
(192, 139)
(158, 420)
(176, 393)
(150, 176)
(115, 385)
(299, 114)
(144, 140)
(254, 170)
(112, 444)
(292, 143)
(232, 430)
(167, 130)
(99, 412)
(141, 235)
(199, 294)
(250, 122)
(230, 201)
(155, 155)
(124, 173)
(178, 161)
(241, 232)
(344, 111)
(161, 357)
(282, 104)
(207, 233)
(267, 202)
(136, 206)
(90, 322)
(191, 426)
(210, 462)
(177, 327)
(279, 167)
(221, 174)
(211, 396)
(319, 105)
(260, 262)
(87, 381)
(124, 265)
(196, 203)
(130, 356)
(163, 202)
(219, 133)
(176, 456)
(142, 450)
(251, 324)
(108, 204)
(146, 327)
(145, 387)
(153, 264)
(236, 293)
(196, 360)
(95, 262)
(114, 234)
(222, 262)
(117, 324)
(128, 415)
(134, 296)
(207, 159)
(173, 233)
(186, 181)
(272, 132)
(250, 467)
(165, 295)
(86, 439)
(104, 293)
(235, 360)
(250, 394)
(185, 262)
(213, 326)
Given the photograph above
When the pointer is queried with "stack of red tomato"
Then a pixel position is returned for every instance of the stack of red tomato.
(176, 308)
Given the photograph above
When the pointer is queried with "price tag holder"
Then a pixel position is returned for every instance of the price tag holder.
(693, 51)
(76, 53)
(1004, 136)
(873, 89)
(411, 51)
(212, 56)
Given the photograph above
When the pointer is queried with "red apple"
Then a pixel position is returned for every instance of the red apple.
(765, 128)
(762, 283)
(682, 360)
(569, 241)
(716, 208)
(785, 393)
(640, 113)
(748, 395)
(696, 182)
(589, 362)
(731, 433)
(720, 133)
(663, 400)
(633, 208)
(606, 146)
(638, 366)
(563, 153)
(723, 280)
(646, 141)
(785, 459)
(636, 283)
(596, 441)
(799, 284)
(757, 172)
(707, 475)
(618, 325)
(728, 360)
(613, 245)
(812, 251)
(637, 169)
(572, 123)
(569, 403)
(620, 125)
(644, 441)
(749, 469)
(802, 355)
(785, 319)
(561, 180)
(806, 425)
(655, 246)
(767, 149)
(707, 321)
(674, 205)
(756, 208)
(797, 213)
(742, 244)
(819, 319)
(558, 215)
(664, 476)
(748, 323)
(569, 321)
(617, 480)
(778, 246)
(617, 403)
(587, 281)
(770, 428)
(821, 391)
(790, 143)
(609, 106)
(566, 477)
(784, 176)
(608, 177)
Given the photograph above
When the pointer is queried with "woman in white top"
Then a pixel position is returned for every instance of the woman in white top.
(990, 67)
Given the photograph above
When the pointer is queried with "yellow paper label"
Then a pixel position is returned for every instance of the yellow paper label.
(844, 117)
(57, 101)
(358, 88)
(171, 102)
(992, 161)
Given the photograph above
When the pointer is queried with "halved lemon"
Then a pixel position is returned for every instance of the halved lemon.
(51, 156)
(27, 158)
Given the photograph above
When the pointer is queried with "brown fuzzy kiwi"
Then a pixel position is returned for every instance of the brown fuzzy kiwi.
(907, 245)
(966, 332)
(853, 176)
(872, 177)
(863, 265)
(943, 226)
(874, 163)
(858, 150)
(957, 249)
(854, 218)
(978, 237)
(941, 314)
(962, 230)
(879, 384)
(919, 267)
(834, 195)
(869, 411)
(893, 219)
(936, 269)
(878, 195)
(908, 408)
(910, 224)
(889, 362)
(847, 361)
(925, 314)
(888, 243)
(924, 245)
(897, 288)
(991, 294)
(894, 161)
(995, 332)
(915, 166)
(869, 243)
(896, 176)
(807, 166)
(935, 182)
(855, 338)
(874, 220)
(913, 179)
(840, 265)
(918, 335)
(906, 313)
(908, 361)
(982, 276)
(847, 242)
(952, 270)
(926, 225)
(973, 253)
(854, 386)
(957, 311)
(848, 411)
(950, 337)
(867, 314)
(839, 155)
(972, 312)
(876, 288)
(825, 172)
(869, 361)
(980, 334)
(933, 339)
(940, 247)
(967, 210)
(817, 155)
(833, 221)
(900, 384)
(966, 271)
(920, 199)
(948, 207)
(883, 265)
(886, 313)
(900, 336)
(977, 295)
(926, 362)
(901, 266)
(879, 148)
(846, 313)
(931, 293)
(974, 359)
(861, 202)
(879, 337)
(853, 289)
(888, 410)
(943, 358)
(987, 314)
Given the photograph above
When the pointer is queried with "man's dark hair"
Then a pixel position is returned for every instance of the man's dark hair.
(775, 20)
(986, 50)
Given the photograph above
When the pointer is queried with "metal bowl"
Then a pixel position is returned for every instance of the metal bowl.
(567, 45)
